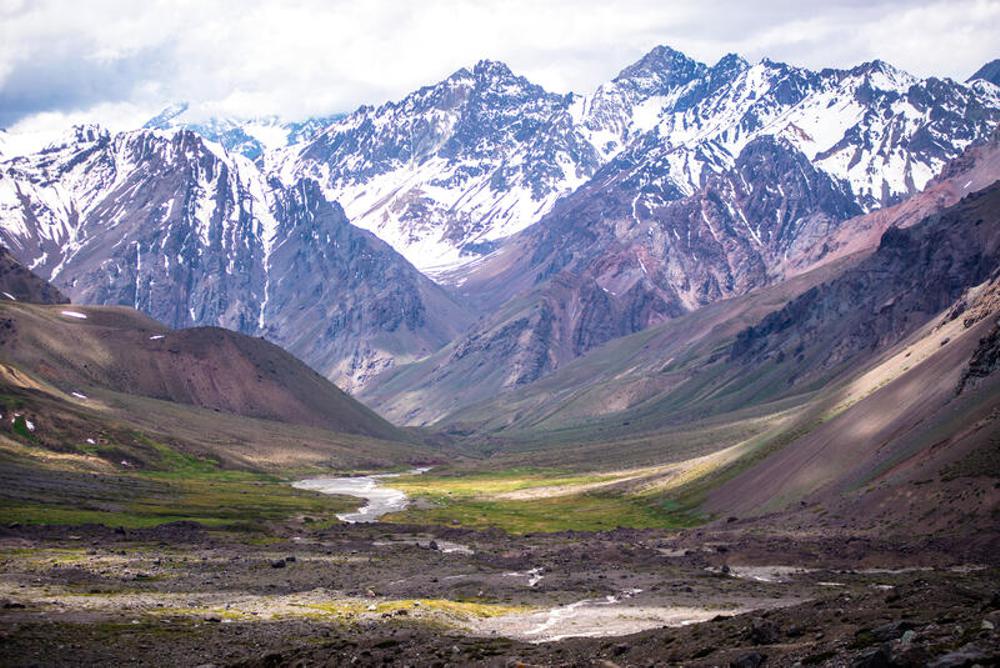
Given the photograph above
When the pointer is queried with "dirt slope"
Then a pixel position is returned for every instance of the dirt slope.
(923, 411)
(121, 350)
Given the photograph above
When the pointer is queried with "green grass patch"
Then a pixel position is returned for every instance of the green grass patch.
(584, 512)
(187, 488)
(60, 515)
(475, 499)
(465, 484)
(350, 608)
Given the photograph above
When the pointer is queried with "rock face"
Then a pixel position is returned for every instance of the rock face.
(449, 171)
(19, 284)
(179, 229)
(915, 274)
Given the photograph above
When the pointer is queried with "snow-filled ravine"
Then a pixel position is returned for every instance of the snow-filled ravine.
(380, 499)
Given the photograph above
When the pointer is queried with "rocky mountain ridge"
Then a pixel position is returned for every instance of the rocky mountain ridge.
(450, 171)
(175, 226)
(672, 186)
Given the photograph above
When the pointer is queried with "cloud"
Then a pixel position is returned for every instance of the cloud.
(308, 57)
(63, 79)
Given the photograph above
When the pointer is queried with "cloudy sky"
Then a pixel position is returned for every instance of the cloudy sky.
(119, 61)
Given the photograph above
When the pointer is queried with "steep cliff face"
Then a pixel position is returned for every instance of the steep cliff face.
(914, 274)
(343, 299)
(176, 227)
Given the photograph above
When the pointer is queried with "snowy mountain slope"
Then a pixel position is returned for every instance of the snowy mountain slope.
(633, 102)
(881, 130)
(175, 226)
(447, 173)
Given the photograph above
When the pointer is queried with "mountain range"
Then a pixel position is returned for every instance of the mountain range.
(175, 226)
(483, 226)
(448, 171)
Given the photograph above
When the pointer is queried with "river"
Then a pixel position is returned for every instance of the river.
(380, 500)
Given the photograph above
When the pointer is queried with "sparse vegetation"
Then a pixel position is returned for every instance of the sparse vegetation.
(476, 500)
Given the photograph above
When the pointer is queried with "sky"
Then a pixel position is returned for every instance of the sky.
(120, 61)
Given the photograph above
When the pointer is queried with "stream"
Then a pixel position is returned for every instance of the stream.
(379, 499)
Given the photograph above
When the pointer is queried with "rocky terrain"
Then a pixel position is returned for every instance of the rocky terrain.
(382, 594)
(915, 273)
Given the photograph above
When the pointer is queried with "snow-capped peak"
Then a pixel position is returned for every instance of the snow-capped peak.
(491, 69)
(250, 137)
(86, 133)
(660, 69)
(883, 76)
(164, 119)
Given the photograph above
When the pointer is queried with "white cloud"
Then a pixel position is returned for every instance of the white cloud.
(309, 57)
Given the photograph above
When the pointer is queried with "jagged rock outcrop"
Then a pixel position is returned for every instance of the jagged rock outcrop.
(916, 273)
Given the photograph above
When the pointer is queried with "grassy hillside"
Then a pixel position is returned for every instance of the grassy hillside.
(125, 460)
(107, 416)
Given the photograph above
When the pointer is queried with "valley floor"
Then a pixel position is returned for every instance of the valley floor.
(302, 593)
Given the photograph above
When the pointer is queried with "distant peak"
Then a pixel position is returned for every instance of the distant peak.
(731, 62)
(660, 58)
(883, 75)
(988, 72)
(665, 65)
(773, 64)
(491, 68)
(877, 65)
(663, 52)
(169, 113)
